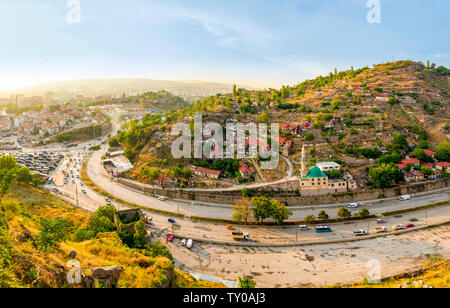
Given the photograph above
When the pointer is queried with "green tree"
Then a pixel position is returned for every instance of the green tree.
(443, 152)
(364, 213)
(262, 208)
(246, 283)
(280, 211)
(24, 175)
(140, 235)
(309, 219)
(52, 232)
(246, 193)
(385, 175)
(243, 210)
(323, 215)
(264, 117)
(344, 212)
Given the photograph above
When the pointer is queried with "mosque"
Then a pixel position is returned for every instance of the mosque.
(315, 182)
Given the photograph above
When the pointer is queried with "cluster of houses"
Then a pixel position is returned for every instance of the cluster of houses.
(245, 170)
(47, 123)
(411, 174)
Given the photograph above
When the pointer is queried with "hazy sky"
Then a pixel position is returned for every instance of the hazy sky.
(252, 42)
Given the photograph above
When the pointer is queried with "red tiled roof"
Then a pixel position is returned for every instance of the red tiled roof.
(245, 169)
(207, 171)
(411, 161)
(443, 164)
(429, 153)
(426, 165)
(401, 166)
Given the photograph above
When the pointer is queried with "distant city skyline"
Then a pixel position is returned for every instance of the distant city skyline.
(258, 43)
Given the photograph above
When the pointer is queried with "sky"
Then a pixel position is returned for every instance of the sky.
(263, 43)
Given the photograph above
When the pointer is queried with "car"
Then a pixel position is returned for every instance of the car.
(171, 238)
(413, 220)
(398, 216)
(183, 242)
(171, 220)
(189, 244)
(360, 232)
(107, 200)
(398, 227)
(230, 228)
(162, 199)
(380, 229)
(381, 220)
(404, 198)
(84, 190)
(408, 226)
(353, 205)
(303, 227)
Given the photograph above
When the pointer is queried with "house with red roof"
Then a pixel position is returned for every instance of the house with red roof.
(411, 161)
(426, 165)
(442, 166)
(207, 173)
(401, 166)
(430, 153)
(245, 170)
(382, 97)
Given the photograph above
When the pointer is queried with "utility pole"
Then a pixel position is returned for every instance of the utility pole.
(76, 193)
(426, 217)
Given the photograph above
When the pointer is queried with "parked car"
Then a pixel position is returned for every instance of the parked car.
(360, 232)
(230, 228)
(171, 238)
(353, 205)
(398, 227)
(189, 244)
(162, 199)
(381, 220)
(171, 220)
(413, 220)
(183, 242)
(410, 226)
(405, 198)
(380, 229)
(303, 227)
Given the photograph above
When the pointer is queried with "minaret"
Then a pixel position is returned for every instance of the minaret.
(304, 172)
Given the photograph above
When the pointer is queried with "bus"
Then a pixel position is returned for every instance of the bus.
(323, 229)
(50, 181)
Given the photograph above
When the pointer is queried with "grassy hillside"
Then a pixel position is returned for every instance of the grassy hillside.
(354, 116)
(34, 251)
(434, 274)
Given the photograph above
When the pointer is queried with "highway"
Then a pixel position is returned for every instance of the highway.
(91, 200)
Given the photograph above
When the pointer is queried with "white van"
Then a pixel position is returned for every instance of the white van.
(405, 198)
(189, 244)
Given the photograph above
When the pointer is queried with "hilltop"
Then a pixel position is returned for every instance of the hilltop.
(352, 117)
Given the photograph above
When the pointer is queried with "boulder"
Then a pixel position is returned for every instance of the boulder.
(110, 275)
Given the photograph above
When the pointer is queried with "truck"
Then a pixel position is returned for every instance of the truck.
(241, 236)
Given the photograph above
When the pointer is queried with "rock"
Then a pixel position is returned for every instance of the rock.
(72, 254)
(110, 275)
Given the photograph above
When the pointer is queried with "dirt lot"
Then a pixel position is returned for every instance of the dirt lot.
(316, 266)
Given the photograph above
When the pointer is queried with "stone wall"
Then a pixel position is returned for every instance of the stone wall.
(282, 193)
